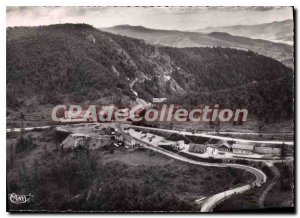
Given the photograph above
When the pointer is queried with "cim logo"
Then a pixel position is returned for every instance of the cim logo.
(20, 199)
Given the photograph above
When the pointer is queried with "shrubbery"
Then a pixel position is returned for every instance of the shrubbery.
(25, 144)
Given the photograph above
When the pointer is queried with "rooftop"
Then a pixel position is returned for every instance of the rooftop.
(243, 146)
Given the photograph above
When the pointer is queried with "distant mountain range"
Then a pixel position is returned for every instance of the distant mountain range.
(279, 51)
(77, 63)
(278, 31)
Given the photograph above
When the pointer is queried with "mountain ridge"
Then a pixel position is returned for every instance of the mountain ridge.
(69, 63)
(181, 39)
(277, 31)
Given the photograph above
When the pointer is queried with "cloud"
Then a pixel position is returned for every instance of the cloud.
(82, 11)
(265, 8)
(14, 9)
(181, 18)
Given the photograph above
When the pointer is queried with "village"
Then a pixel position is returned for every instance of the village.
(212, 148)
(130, 137)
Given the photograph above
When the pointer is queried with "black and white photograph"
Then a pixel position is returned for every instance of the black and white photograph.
(150, 109)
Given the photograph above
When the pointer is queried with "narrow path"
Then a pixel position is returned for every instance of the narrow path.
(206, 135)
(250, 133)
(27, 128)
(217, 137)
(270, 186)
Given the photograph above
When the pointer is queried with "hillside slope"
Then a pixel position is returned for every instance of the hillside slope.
(218, 38)
(71, 63)
(278, 31)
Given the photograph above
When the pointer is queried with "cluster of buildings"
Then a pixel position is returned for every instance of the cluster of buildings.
(108, 136)
(223, 147)
(229, 149)
(237, 149)
(103, 137)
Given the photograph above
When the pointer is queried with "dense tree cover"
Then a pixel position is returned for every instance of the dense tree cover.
(268, 100)
(221, 68)
(60, 62)
(85, 181)
(235, 79)
(56, 60)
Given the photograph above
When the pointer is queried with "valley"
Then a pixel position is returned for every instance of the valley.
(139, 166)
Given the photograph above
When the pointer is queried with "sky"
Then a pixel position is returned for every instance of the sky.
(175, 18)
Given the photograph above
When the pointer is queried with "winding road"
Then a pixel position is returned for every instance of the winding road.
(209, 203)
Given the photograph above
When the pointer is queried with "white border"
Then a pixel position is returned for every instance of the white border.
(106, 3)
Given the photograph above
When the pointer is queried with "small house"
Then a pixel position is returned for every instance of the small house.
(224, 147)
(178, 145)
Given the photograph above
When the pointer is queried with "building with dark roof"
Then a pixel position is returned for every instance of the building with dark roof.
(224, 147)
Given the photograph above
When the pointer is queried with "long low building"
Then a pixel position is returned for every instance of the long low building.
(267, 150)
(244, 149)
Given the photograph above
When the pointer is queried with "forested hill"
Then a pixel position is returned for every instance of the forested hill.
(217, 38)
(78, 63)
